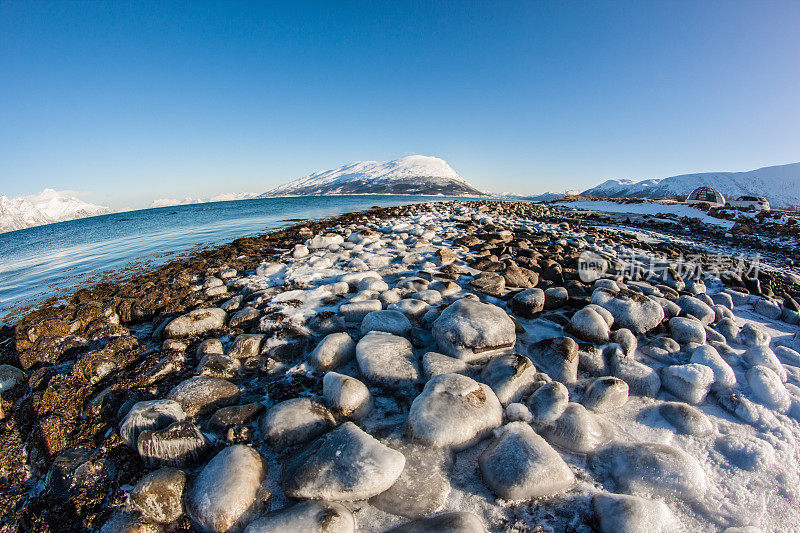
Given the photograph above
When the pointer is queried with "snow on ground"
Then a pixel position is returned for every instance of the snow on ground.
(647, 208)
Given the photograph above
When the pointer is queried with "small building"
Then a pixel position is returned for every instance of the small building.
(706, 195)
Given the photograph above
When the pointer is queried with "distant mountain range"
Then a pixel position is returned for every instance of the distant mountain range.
(779, 184)
(47, 207)
(414, 174)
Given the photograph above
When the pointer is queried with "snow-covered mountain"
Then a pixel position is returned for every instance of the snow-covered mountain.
(414, 174)
(778, 184)
(44, 208)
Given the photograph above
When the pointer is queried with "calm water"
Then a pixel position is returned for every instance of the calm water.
(46, 260)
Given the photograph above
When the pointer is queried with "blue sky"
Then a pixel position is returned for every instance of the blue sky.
(128, 102)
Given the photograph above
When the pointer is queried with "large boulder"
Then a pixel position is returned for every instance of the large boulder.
(345, 464)
(519, 465)
(196, 323)
(224, 495)
(472, 330)
(455, 411)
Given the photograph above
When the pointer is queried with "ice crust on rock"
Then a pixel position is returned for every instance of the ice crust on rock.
(149, 415)
(605, 394)
(768, 388)
(510, 376)
(434, 364)
(724, 376)
(346, 396)
(578, 430)
(223, 497)
(195, 323)
(473, 330)
(653, 469)
(686, 419)
(202, 394)
(690, 382)
(520, 465)
(332, 351)
(558, 357)
(387, 360)
(179, 444)
(764, 356)
(344, 464)
(454, 411)
(622, 513)
(294, 421)
(307, 517)
(589, 325)
(631, 310)
(456, 522)
(159, 495)
(388, 321)
(548, 402)
(687, 330)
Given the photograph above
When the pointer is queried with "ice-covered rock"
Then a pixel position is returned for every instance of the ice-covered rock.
(424, 484)
(621, 513)
(393, 322)
(687, 330)
(686, 419)
(587, 324)
(224, 496)
(387, 360)
(307, 517)
(510, 376)
(159, 495)
(455, 522)
(558, 357)
(179, 444)
(519, 465)
(356, 311)
(335, 349)
(764, 356)
(473, 330)
(344, 464)
(518, 412)
(641, 378)
(555, 297)
(724, 376)
(246, 345)
(746, 452)
(694, 307)
(528, 303)
(413, 309)
(787, 356)
(626, 340)
(729, 329)
(690, 382)
(605, 394)
(548, 402)
(434, 364)
(631, 310)
(768, 308)
(235, 415)
(10, 377)
(455, 411)
(346, 396)
(753, 335)
(324, 241)
(243, 317)
(768, 388)
(578, 430)
(655, 469)
(196, 323)
(149, 415)
(294, 421)
(124, 522)
(202, 394)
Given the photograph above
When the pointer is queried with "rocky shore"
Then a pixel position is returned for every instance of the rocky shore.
(452, 366)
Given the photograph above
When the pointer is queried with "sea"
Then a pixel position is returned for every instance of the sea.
(55, 259)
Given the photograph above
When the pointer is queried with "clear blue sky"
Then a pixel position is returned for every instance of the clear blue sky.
(134, 101)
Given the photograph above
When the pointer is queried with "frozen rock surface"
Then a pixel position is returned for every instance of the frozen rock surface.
(686, 419)
(344, 464)
(620, 513)
(631, 310)
(605, 394)
(690, 382)
(223, 497)
(454, 411)
(346, 396)
(473, 330)
(578, 430)
(393, 322)
(159, 495)
(295, 421)
(519, 465)
(656, 469)
(510, 376)
(458, 522)
(548, 402)
(202, 394)
(387, 360)
(332, 351)
(308, 517)
(587, 324)
(149, 415)
(179, 444)
(195, 323)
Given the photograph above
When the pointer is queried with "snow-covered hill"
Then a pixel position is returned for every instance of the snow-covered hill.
(44, 208)
(415, 174)
(779, 184)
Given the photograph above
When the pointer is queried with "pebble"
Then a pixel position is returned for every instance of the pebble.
(630, 310)
(332, 351)
(294, 421)
(558, 357)
(578, 430)
(510, 376)
(687, 330)
(196, 323)
(387, 360)
(202, 394)
(149, 415)
(528, 303)
(548, 402)
(589, 325)
(388, 321)
(473, 330)
(179, 444)
(605, 394)
(346, 396)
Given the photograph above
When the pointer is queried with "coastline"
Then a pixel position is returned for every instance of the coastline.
(86, 363)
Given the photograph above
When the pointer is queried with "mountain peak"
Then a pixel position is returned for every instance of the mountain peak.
(412, 174)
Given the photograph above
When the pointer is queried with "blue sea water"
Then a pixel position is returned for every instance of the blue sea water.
(39, 262)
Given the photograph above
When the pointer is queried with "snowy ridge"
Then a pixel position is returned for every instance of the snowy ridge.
(47, 207)
(415, 174)
(779, 184)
